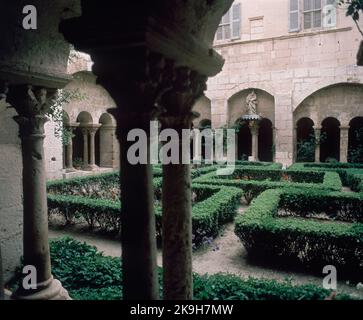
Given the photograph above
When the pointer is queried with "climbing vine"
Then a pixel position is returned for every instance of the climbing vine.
(57, 115)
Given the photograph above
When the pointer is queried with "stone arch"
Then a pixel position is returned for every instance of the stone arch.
(330, 141)
(237, 105)
(302, 95)
(244, 140)
(355, 140)
(340, 100)
(305, 140)
(85, 118)
(205, 123)
(204, 107)
(265, 141)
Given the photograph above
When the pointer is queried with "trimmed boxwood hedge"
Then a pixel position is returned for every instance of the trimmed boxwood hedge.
(300, 241)
(209, 215)
(89, 275)
(251, 188)
(346, 171)
(218, 207)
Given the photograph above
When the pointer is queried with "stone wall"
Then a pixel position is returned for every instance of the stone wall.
(11, 209)
(288, 65)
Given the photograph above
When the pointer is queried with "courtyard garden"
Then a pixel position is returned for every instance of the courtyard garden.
(262, 233)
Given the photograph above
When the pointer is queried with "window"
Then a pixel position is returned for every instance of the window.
(330, 14)
(230, 26)
(294, 16)
(310, 14)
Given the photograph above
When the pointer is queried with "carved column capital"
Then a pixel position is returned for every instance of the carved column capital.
(32, 105)
(178, 101)
(93, 129)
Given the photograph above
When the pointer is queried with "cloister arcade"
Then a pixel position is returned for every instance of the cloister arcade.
(327, 119)
(91, 144)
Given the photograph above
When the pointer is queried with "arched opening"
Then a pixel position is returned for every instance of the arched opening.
(265, 141)
(305, 140)
(244, 137)
(104, 141)
(85, 119)
(355, 142)
(204, 124)
(330, 140)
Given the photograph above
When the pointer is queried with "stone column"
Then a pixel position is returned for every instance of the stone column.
(85, 148)
(92, 149)
(317, 132)
(69, 148)
(177, 222)
(254, 127)
(107, 146)
(32, 104)
(1, 278)
(135, 87)
(3, 93)
(344, 142)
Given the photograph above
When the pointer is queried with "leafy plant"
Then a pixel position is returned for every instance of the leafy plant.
(56, 112)
(353, 10)
(89, 275)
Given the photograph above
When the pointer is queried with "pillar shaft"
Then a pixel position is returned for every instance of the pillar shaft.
(317, 131)
(344, 141)
(138, 233)
(1, 278)
(254, 132)
(69, 151)
(31, 105)
(177, 207)
(85, 147)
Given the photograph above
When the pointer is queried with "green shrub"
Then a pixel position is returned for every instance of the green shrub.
(231, 287)
(105, 213)
(298, 241)
(209, 215)
(251, 189)
(89, 275)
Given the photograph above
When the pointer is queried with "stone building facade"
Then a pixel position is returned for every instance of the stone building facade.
(300, 58)
(94, 146)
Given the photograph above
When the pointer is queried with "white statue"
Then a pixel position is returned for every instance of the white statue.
(251, 102)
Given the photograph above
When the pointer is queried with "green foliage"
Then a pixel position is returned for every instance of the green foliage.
(56, 112)
(208, 216)
(290, 178)
(88, 275)
(355, 155)
(231, 287)
(307, 242)
(103, 213)
(79, 198)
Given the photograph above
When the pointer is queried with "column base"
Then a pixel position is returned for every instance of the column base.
(48, 290)
(71, 169)
(91, 167)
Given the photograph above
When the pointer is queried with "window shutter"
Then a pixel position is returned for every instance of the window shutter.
(236, 21)
(330, 14)
(294, 16)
